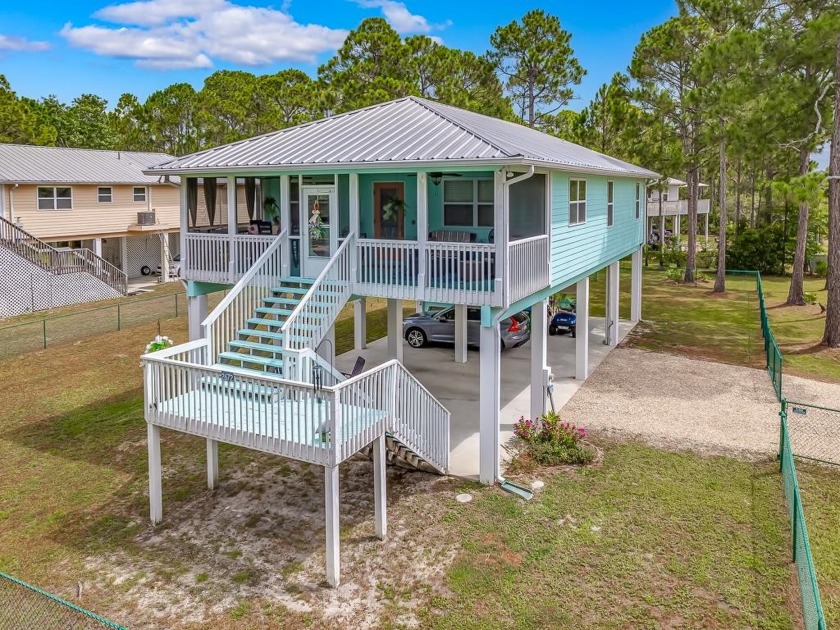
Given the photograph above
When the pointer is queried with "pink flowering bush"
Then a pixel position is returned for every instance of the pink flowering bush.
(550, 441)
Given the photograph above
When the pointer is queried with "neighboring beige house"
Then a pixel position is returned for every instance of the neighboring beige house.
(93, 199)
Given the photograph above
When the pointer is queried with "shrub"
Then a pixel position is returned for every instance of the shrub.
(675, 273)
(551, 442)
(760, 249)
(810, 298)
(821, 268)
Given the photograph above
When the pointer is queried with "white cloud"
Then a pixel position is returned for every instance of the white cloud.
(175, 34)
(398, 16)
(10, 42)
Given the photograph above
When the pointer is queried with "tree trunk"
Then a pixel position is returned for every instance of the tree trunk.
(752, 199)
(831, 337)
(796, 294)
(691, 255)
(661, 234)
(738, 198)
(720, 279)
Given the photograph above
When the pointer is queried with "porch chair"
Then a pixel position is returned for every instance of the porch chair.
(358, 367)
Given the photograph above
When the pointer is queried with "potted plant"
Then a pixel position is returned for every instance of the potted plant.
(271, 211)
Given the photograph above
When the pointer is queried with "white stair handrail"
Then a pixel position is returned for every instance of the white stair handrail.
(220, 326)
(334, 285)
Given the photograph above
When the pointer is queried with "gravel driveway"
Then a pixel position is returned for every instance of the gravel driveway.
(680, 403)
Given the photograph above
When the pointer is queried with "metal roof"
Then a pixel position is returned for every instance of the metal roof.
(406, 131)
(21, 164)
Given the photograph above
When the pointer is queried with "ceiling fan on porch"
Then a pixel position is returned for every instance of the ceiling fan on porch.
(437, 176)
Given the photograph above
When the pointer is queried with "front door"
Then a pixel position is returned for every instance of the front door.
(318, 234)
(388, 210)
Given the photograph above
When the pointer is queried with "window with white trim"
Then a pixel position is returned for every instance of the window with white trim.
(139, 193)
(104, 194)
(638, 200)
(610, 203)
(55, 198)
(468, 203)
(577, 201)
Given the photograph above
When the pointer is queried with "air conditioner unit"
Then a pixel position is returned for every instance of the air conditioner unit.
(145, 218)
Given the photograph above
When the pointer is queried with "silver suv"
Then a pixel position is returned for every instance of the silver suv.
(427, 327)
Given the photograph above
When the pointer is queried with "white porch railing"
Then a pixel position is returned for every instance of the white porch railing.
(453, 273)
(527, 266)
(230, 314)
(461, 273)
(290, 418)
(314, 315)
(221, 257)
(676, 207)
(388, 268)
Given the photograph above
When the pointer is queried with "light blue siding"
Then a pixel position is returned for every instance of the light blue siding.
(577, 249)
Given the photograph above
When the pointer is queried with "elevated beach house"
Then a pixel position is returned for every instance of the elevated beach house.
(406, 200)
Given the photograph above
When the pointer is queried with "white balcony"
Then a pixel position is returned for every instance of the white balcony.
(676, 208)
(444, 272)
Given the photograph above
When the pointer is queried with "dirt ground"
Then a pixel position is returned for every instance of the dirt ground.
(675, 402)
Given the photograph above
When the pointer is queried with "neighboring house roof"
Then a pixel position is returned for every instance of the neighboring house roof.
(407, 131)
(22, 164)
(678, 182)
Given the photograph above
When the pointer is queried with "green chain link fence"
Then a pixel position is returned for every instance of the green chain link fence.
(812, 611)
(41, 333)
(23, 606)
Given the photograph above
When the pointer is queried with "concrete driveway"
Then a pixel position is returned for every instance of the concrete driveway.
(456, 385)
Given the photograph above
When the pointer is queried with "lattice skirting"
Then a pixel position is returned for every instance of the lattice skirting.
(25, 287)
(144, 250)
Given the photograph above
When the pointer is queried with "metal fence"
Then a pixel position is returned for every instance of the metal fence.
(40, 334)
(24, 606)
(812, 611)
(814, 431)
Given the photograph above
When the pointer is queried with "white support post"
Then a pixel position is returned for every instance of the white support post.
(422, 230)
(184, 222)
(164, 257)
(582, 330)
(360, 324)
(395, 340)
(353, 204)
(231, 218)
(489, 404)
(460, 333)
(707, 229)
(124, 254)
(331, 503)
(155, 476)
(539, 357)
(613, 274)
(677, 227)
(97, 246)
(380, 501)
(285, 223)
(196, 313)
(636, 287)
(499, 220)
(212, 464)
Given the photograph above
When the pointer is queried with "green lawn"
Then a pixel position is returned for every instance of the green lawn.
(694, 321)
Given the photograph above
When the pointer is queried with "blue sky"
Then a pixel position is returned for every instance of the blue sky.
(108, 48)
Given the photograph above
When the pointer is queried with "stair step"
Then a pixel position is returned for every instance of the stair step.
(296, 280)
(274, 323)
(251, 359)
(253, 345)
(269, 310)
(295, 290)
(267, 334)
(294, 302)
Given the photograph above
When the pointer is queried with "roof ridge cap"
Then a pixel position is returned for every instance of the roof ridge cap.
(425, 103)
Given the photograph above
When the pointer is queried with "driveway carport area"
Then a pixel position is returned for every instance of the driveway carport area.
(456, 385)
